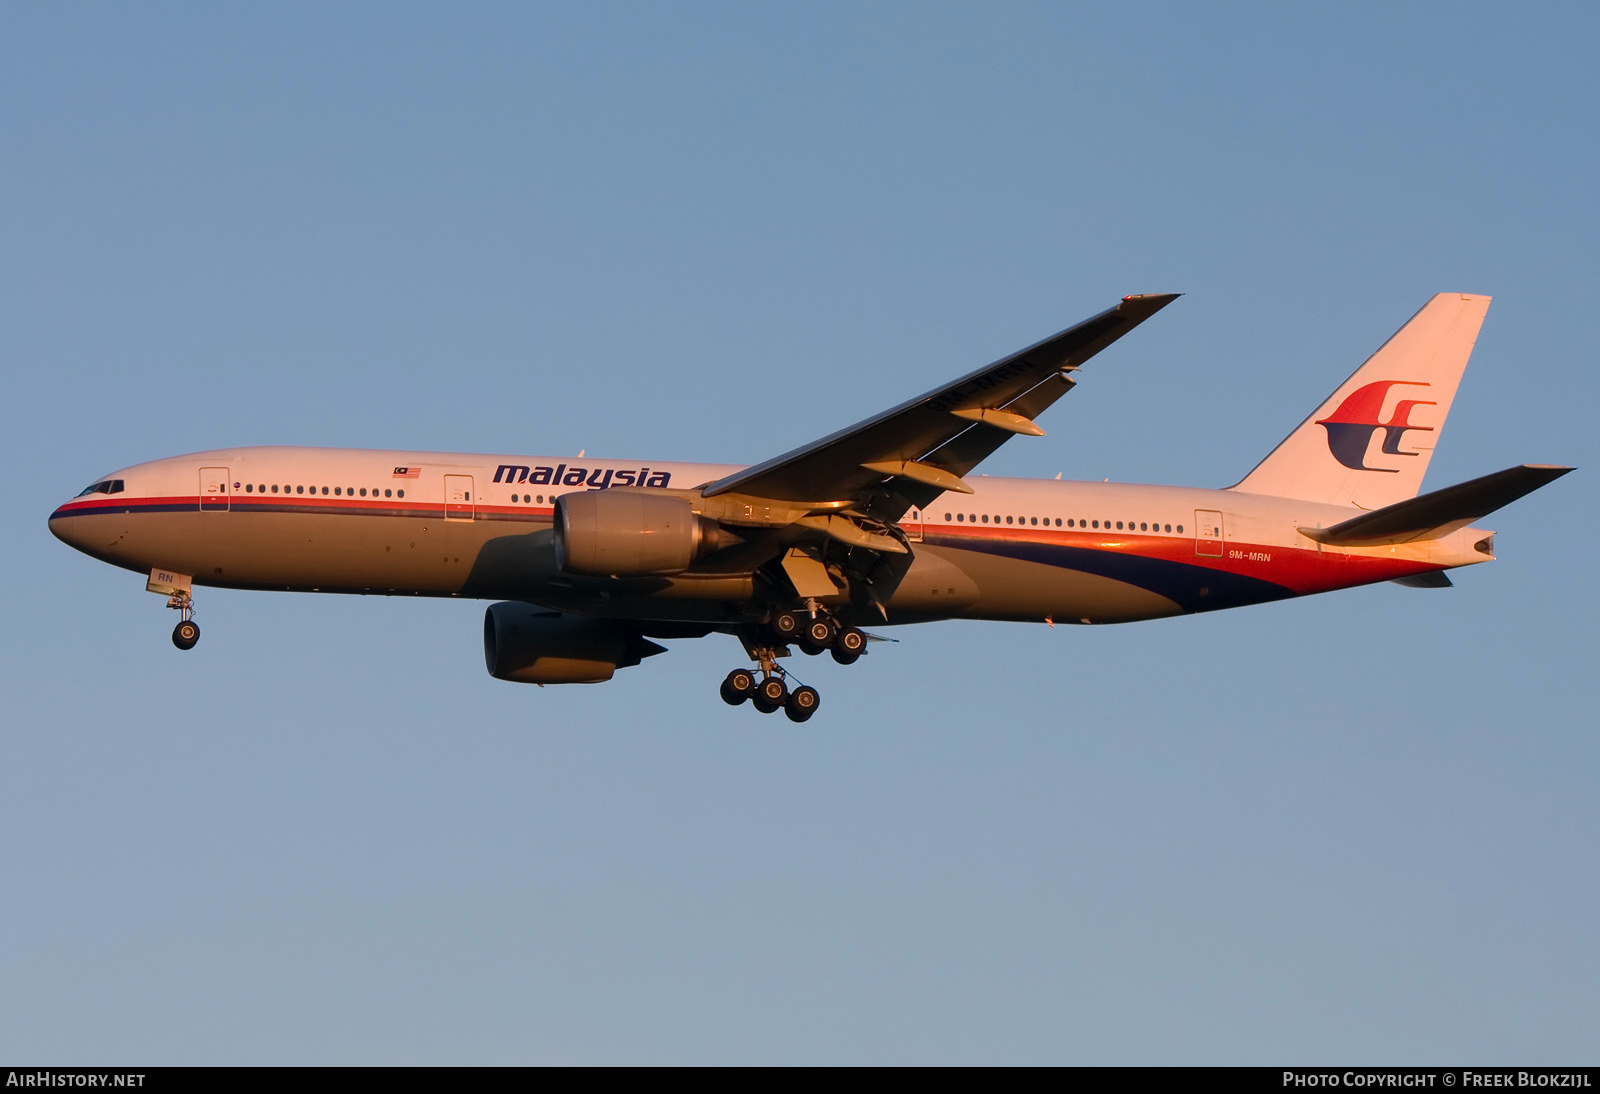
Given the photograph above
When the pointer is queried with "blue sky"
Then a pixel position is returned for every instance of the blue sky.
(1352, 827)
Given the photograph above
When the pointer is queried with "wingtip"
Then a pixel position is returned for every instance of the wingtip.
(1146, 303)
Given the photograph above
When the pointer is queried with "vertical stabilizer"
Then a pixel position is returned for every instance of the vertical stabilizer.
(1369, 444)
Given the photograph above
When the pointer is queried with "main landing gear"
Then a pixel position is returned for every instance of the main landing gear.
(772, 693)
(813, 632)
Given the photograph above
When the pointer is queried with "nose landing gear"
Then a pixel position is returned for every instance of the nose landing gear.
(176, 588)
(187, 632)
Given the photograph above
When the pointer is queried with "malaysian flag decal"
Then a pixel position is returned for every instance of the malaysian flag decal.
(407, 472)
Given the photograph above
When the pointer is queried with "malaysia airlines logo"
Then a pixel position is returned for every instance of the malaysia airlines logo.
(1350, 428)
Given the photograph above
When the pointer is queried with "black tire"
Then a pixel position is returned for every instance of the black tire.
(739, 685)
(770, 695)
(786, 625)
(850, 642)
(186, 634)
(802, 703)
(820, 632)
(845, 658)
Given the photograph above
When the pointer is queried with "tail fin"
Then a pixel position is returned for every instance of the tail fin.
(1369, 444)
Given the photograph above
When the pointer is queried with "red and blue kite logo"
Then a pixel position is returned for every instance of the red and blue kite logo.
(1350, 428)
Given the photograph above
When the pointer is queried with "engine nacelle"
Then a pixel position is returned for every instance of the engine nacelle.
(529, 645)
(631, 532)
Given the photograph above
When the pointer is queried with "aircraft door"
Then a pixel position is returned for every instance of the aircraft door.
(912, 524)
(458, 503)
(1208, 533)
(214, 497)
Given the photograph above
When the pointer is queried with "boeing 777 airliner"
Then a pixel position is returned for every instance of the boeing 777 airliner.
(882, 523)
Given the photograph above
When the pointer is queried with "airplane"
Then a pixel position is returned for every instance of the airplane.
(589, 560)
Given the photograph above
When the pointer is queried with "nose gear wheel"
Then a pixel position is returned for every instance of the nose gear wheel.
(187, 632)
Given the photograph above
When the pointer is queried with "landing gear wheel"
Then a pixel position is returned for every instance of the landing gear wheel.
(848, 645)
(802, 703)
(770, 695)
(818, 635)
(786, 625)
(186, 634)
(739, 686)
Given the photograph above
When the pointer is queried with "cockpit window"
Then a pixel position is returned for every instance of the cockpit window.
(105, 486)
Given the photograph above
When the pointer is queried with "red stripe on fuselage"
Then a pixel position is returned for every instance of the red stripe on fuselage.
(246, 502)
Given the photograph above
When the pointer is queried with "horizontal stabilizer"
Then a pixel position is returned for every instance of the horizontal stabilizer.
(1431, 516)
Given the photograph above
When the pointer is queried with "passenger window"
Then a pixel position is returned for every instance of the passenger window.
(387, 494)
(335, 490)
(986, 518)
(400, 493)
(299, 490)
(1180, 529)
(1008, 520)
(1143, 527)
(947, 518)
(324, 489)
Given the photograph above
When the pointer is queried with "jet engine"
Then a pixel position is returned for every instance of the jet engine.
(530, 645)
(630, 533)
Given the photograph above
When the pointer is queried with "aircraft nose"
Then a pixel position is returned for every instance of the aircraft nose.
(74, 522)
(65, 527)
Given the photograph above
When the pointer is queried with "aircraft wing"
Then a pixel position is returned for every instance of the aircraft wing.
(921, 448)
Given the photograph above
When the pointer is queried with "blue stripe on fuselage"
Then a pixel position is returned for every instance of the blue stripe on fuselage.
(1193, 588)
